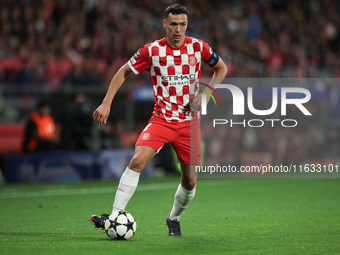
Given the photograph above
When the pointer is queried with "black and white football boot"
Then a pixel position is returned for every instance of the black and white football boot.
(174, 227)
(99, 222)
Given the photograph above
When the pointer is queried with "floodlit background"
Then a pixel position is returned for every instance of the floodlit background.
(65, 52)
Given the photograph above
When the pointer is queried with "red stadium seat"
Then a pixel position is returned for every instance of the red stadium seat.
(11, 137)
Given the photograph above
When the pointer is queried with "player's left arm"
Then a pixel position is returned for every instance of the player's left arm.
(220, 72)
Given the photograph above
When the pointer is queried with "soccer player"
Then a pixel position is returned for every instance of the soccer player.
(174, 64)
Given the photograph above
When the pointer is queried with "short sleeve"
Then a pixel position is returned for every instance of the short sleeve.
(206, 51)
(208, 56)
(140, 61)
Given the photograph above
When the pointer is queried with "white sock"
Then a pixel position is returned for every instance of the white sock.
(182, 200)
(127, 186)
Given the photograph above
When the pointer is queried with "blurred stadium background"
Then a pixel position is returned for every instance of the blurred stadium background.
(63, 50)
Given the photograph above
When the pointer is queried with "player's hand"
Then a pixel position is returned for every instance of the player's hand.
(194, 104)
(101, 114)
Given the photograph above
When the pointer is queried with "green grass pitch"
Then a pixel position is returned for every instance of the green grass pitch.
(227, 216)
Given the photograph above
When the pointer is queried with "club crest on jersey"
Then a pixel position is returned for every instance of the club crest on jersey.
(192, 61)
(146, 136)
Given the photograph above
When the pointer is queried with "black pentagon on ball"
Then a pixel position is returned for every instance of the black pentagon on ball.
(121, 218)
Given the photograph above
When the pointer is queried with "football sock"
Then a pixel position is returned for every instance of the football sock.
(127, 186)
(182, 200)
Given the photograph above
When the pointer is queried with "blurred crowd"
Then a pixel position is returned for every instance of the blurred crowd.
(279, 145)
(48, 45)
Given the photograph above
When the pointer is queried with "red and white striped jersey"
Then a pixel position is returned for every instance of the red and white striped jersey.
(172, 70)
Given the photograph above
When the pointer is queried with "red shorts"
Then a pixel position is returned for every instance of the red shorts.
(184, 137)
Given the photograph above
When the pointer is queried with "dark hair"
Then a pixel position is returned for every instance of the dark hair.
(176, 9)
(42, 103)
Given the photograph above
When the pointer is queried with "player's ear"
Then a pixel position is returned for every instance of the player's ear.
(164, 22)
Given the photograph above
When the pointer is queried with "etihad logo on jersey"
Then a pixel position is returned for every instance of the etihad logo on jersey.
(183, 79)
(179, 77)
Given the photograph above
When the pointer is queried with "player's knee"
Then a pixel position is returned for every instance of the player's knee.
(137, 163)
(192, 184)
(189, 184)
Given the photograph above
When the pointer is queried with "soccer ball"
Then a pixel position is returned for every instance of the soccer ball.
(120, 225)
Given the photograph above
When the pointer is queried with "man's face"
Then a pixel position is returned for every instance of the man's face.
(175, 28)
(44, 111)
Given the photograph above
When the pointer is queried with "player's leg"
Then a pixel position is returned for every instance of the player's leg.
(188, 150)
(127, 183)
(148, 144)
(185, 191)
(129, 179)
(183, 196)
(150, 141)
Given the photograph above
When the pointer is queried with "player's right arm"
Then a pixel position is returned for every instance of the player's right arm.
(101, 114)
(138, 62)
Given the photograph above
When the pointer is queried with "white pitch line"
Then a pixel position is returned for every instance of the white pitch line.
(82, 191)
(101, 190)
(88, 191)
